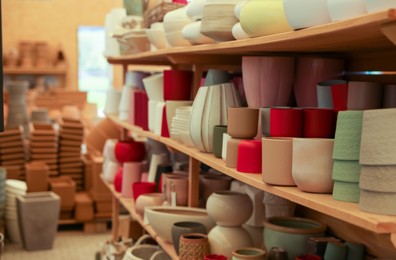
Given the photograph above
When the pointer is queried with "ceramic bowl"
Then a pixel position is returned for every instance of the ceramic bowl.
(238, 32)
(315, 12)
(344, 9)
(148, 200)
(154, 86)
(157, 38)
(379, 5)
(191, 32)
(176, 39)
(194, 9)
(291, 234)
(162, 218)
(259, 18)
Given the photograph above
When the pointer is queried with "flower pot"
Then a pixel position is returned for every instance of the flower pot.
(193, 246)
(184, 227)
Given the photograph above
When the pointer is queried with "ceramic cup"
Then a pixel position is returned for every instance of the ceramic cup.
(319, 123)
(218, 131)
(277, 154)
(286, 122)
(312, 164)
(242, 116)
(339, 94)
(147, 200)
(249, 156)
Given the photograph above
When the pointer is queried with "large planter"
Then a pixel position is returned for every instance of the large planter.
(38, 219)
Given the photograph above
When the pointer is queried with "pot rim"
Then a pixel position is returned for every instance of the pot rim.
(319, 229)
(260, 252)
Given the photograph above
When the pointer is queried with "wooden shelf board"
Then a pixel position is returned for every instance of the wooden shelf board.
(356, 34)
(33, 71)
(324, 203)
(129, 205)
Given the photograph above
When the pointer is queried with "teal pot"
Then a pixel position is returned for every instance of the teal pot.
(291, 234)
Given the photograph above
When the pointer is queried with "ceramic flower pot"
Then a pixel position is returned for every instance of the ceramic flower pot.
(259, 18)
(248, 253)
(389, 97)
(148, 200)
(192, 33)
(184, 227)
(194, 246)
(224, 240)
(315, 13)
(228, 208)
(315, 176)
(290, 234)
(139, 188)
(209, 110)
(132, 172)
(218, 131)
(286, 122)
(341, 10)
(130, 151)
(381, 5)
(248, 117)
(177, 84)
(177, 190)
(324, 92)
(211, 183)
(154, 86)
(364, 95)
(319, 123)
(310, 71)
(276, 206)
(112, 101)
(249, 156)
(267, 80)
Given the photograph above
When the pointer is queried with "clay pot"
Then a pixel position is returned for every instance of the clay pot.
(228, 208)
(193, 246)
(248, 253)
(147, 200)
(184, 227)
(242, 116)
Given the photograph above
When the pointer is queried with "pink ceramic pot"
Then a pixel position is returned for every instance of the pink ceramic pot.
(130, 151)
(118, 180)
(310, 71)
(131, 173)
(267, 81)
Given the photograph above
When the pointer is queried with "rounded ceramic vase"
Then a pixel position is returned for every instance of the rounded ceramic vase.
(229, 208)
(148, 200)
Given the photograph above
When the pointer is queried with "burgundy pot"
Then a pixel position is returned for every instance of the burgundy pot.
(130, 151)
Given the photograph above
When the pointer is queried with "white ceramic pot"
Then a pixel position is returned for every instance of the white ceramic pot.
(315, 12)
(194, 9)
(110, 171)
(112, 101)
(226, 138)
(238, 32)
(229, 208)
(312, 165)
(379, 5)
(148, 200)
(108, 150)
(154, 86)
(161, 218)
(157, 38)
(176, 39)
(152, 114)
(124, 103)
(191, 32)
(344, 9)
(224, 240)
(159, 110)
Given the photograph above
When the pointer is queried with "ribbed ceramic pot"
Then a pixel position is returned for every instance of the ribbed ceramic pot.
(267, 80)
(194, 246)
(248, 253)
(312, 164)
(291, 234)
(229, 208)
(184, 227)
(311, 70)
(346, 191)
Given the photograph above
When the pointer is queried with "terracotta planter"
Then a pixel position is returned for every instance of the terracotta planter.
(181, 228)
(242, 116)
(213, 183)
(194, 246)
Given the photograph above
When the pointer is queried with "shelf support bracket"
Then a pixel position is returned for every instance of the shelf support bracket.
(389, 30)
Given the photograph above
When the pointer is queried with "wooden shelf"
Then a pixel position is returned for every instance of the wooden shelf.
(324, 203)
(367, 32)
(34, 71)
(129, 205)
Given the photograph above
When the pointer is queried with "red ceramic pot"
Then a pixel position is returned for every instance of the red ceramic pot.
(177, 84)
(130, 151)
(339, 93)
(286, 122)
(137, 108)
(139, 188)
(249, 156)
(308, 257)
(144, 111)
(319, 123)
(118, 180)
(165, 124)
(215, 257)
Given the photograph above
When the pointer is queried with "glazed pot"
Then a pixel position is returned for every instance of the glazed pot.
(249, 156)
(184, 227)
(291, 234)
(324, 92)
(379, 5)
(229, 208)
(314, 13)
(286, 122)
(130, 151)
(177, 84)
(319, 123)
(344, 9)
(139, 188)
(364, 95)
(248, 253)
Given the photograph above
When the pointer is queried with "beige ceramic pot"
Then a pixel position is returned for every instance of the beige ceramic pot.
(248, 253)
(147, 200)
(229, 208)
(242, 116)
